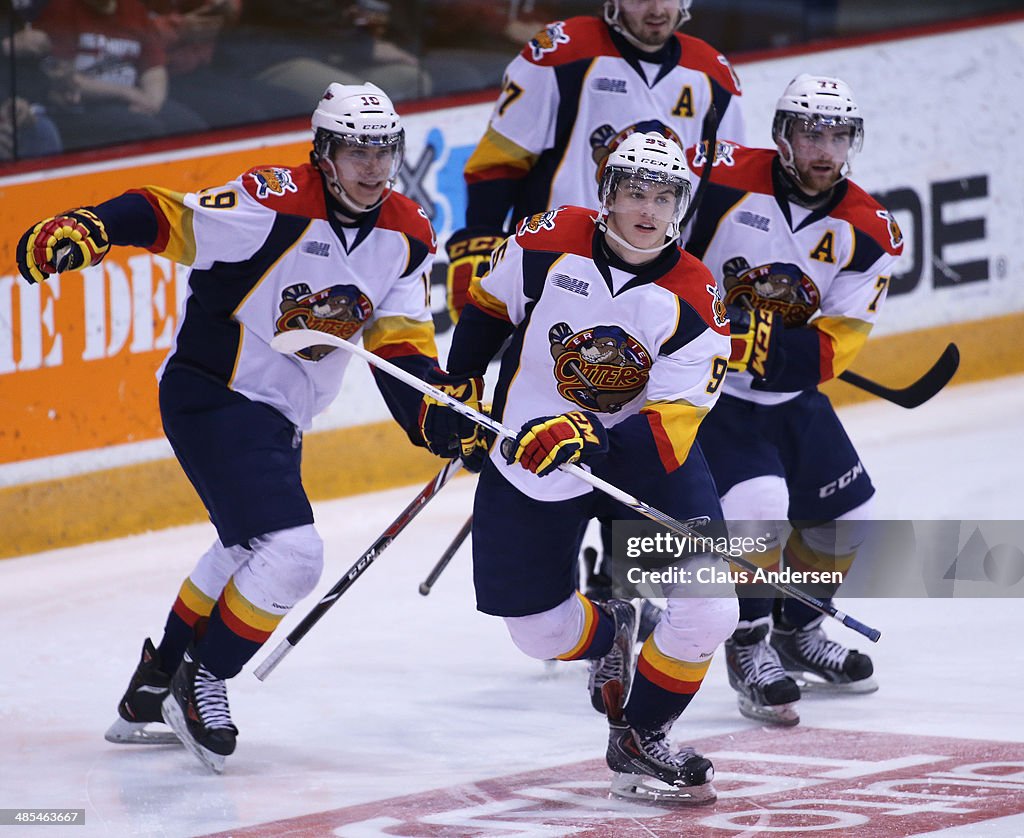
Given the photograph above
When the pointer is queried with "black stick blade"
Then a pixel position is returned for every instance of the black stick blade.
(916, 394)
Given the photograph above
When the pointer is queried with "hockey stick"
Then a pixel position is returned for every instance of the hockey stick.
(709, 137)
(358, 569)
(427, 584)
(299, 339)
(916, 394)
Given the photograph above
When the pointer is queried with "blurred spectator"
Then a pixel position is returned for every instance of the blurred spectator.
(25, 128)
(304, 45)
(467, 43)
(202, 76)
(111, 54)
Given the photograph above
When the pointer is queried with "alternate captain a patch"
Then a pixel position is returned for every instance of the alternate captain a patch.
(601, 368)
(340, 310)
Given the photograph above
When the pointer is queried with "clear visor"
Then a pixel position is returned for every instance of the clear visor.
(837, 136)
(649, 194)
(367, 158)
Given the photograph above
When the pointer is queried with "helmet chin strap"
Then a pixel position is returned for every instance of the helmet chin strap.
(602, 225)
(623, 30)
(346, 200)
(788, 160)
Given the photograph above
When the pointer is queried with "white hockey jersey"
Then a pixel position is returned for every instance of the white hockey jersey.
(826, 272)
(268, 256)
(574, 93)
(591, 336)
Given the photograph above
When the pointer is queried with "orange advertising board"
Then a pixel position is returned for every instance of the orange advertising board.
(79, 353)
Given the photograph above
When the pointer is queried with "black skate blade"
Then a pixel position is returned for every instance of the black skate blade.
(815, 686)
(652, 790)
(176, 720)
(777, 715)
(123, 732)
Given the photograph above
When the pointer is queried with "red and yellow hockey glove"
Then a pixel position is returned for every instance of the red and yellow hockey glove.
(469, 255)
(68, 242)
(546, 443)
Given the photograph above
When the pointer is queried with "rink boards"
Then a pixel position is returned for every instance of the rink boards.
(80, 438)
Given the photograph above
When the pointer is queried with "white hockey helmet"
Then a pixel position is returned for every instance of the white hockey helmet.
(821, 101)
(639, 161)
(357, 115)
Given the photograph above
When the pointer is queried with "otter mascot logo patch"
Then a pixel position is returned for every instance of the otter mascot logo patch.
(601, 368)
(339, 310)
(777, 286)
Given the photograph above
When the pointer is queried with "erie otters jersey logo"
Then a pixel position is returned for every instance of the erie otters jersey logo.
(718, 309)
(601, 368)
(538, 222)
(895, 233)
(273, 181)
(339, 310)
(548, 39)
(723, 154)
(777, 286)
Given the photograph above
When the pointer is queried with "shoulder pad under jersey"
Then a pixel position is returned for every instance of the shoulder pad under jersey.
(565, 230)
(296, 191)
(692, 282)
(700, 55)
(736, 166)
(406, 216)
(869, 216)
(565, 41)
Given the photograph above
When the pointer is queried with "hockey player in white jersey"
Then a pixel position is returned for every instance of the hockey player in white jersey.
(803, 257)
(619, 345)
(573, 94)
(327, 245)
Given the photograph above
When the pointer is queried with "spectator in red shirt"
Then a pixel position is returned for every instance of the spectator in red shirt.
(120, 71)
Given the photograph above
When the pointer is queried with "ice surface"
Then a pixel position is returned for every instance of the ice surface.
(394, 693)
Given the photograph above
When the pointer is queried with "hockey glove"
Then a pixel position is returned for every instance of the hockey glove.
(754, 335)
(546, 443)
(474, 461)
(469, 255)
(445, 432)
(69, 242)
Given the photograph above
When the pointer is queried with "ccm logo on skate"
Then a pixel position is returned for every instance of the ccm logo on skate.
(842, 482)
